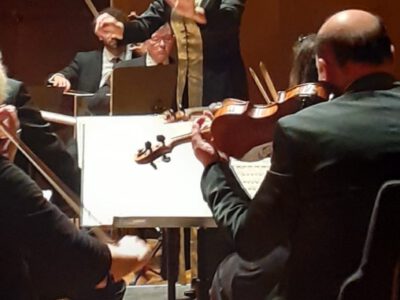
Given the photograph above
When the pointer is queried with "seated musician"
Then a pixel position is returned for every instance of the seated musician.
(17, 93)
(44, 142)
(328, 163)
(43, 255)
(90, 71)
(157, 50)
(253, 280)
(303, 67)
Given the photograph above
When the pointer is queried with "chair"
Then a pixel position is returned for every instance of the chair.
(378, 274)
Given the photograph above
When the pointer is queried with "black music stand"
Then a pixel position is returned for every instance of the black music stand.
(54, 99)
(143, 90)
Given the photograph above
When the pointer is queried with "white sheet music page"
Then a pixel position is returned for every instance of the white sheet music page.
(113, 184)
(250, 174)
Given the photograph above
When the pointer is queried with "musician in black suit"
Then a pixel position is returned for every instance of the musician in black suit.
(157, 52)
(210, 66)
(43, 255)
(17, 93)
(328, 163)
(90, 70)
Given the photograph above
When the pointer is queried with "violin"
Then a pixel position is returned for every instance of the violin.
(244, 130)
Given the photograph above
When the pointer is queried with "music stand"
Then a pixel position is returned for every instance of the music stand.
(143, 90)
(55, 100)
(47, 98)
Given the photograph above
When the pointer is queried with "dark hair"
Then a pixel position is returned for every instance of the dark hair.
(303, 66)
(115, 12)
(370, 46)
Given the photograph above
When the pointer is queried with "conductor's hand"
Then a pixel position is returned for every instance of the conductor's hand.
(60, 81)
(107, 28)
(188, 9)
(203, 149)
(128, 255)
(9, 119)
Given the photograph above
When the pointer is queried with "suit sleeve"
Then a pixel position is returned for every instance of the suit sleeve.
(61, 259)
(223, 18)
(72, 71)
(257, 226)
(141, 29)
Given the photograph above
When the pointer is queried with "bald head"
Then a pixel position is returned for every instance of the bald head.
(350, 22)
(355, 35)
(351, 44)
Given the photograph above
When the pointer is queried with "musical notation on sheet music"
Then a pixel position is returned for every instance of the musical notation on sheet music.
(250, 174)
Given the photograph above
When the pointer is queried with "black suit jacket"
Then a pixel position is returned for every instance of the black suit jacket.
(84, 71)
(17, 94)
(223, 70)
(328, 162)
(41, 241)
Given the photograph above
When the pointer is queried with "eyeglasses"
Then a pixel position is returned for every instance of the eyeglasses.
(165, 38)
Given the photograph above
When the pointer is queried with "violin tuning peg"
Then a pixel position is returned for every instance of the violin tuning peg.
(161, 139)
(153, 165)
(147, 146)
(166, 158)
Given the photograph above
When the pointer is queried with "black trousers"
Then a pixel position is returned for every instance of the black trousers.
(238, 279)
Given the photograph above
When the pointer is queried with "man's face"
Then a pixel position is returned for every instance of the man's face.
(160, 45)
(110, 44)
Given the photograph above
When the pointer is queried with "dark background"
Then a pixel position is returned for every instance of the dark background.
(39, 37)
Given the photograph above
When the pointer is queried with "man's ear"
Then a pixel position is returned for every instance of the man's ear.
(321, 68)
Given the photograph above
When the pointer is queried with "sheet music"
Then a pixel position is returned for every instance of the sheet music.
(114, 185)
(250, 174)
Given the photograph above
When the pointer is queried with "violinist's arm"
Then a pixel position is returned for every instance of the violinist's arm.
(256, 226)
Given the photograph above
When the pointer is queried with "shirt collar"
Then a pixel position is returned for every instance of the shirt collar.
(150, 62)
(123, 56)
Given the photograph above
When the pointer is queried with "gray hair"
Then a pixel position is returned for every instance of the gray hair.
(3, 83)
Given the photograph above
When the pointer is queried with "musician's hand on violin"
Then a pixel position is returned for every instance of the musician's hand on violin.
(107, 28)
(188, 9)
(203, 149)
(129, 255)
(8, 117)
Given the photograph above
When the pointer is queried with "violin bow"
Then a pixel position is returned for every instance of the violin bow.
(268, 81)
(260, 87)
(67, 194)
(92, 8)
